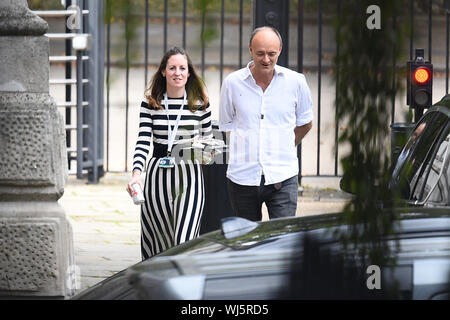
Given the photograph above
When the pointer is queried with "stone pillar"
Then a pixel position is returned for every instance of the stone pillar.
(36, 246)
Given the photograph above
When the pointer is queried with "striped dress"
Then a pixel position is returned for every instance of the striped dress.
(174, 197)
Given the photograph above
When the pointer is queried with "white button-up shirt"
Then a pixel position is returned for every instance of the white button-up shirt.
(262, 138)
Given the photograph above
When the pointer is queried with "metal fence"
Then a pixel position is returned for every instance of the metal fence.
(82, 23)
(311, 49)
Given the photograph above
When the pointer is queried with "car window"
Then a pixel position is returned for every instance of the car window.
(416, 154)
(433, 185)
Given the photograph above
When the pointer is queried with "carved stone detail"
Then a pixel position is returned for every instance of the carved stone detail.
(28, 259)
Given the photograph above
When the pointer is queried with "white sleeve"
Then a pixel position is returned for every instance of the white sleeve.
(304, 111)
(226, 108)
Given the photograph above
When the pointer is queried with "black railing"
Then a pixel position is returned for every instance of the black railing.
(317, 19)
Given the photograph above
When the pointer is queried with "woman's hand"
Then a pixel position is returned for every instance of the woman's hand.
(136, 178)
(208, 156)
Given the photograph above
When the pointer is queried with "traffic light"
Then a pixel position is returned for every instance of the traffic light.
(419, 83)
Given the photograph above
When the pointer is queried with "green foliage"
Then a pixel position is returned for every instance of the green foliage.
(122, 12)
(176, 6)
(365, 88)
(130, 14)
(208, 24)
(45, 5)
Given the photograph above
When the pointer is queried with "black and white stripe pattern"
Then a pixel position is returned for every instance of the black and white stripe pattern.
(174, 204)
(174, 198)
(154, 122)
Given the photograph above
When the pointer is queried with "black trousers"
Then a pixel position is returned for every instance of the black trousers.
(280, 199)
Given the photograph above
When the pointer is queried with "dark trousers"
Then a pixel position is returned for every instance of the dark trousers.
(280, 199)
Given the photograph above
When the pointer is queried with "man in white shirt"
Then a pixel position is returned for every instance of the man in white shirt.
(268, 110)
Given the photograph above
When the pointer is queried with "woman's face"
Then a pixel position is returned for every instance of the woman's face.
(176, 72)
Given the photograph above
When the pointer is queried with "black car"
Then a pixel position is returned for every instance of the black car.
(422, 169)
(274, 259)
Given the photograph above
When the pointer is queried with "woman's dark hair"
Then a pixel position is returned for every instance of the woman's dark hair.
(195, 87)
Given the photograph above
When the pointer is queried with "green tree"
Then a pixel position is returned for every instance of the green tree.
(366, 86)
(44, 5)
(208, 24)
(123, 12)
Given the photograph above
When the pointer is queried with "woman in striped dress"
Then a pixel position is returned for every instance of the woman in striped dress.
(176, 112)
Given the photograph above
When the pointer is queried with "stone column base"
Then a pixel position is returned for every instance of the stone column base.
(36, 250)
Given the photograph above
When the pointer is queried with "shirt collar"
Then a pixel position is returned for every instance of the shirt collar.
(247, 73)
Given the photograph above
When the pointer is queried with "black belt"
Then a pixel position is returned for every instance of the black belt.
(160, 151)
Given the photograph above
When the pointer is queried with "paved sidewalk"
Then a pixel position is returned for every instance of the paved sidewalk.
(106, 225)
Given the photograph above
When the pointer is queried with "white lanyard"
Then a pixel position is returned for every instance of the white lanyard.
(171, 134)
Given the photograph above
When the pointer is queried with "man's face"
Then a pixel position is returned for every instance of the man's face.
(265, 50)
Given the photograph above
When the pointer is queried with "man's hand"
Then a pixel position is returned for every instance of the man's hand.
(301, 131)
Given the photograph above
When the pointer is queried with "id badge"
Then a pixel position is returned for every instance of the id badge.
(167, 162)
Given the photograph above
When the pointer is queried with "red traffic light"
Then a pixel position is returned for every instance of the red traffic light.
(419, 83)
(422, 75)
